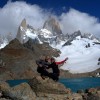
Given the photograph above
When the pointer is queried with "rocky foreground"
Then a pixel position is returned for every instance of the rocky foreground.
(17, 61)
(39, 89)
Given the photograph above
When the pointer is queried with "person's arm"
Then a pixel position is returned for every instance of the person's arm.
(61, 62)
(38, 63)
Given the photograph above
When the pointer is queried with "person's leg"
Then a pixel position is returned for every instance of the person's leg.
(38, 70)
(44, 74)
(54, 76)
(51, 75)
(41, 71)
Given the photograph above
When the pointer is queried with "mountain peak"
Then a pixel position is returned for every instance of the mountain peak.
(52, 25)
(23, 23)
(89, 36)
(21, 32)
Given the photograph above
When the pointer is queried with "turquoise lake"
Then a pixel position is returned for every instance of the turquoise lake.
(74, 83)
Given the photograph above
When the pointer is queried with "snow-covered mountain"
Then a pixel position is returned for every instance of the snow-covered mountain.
(91, 36)
(83, 55)
(82, 49)
(73, 36)
(26, 31)
(3, 42)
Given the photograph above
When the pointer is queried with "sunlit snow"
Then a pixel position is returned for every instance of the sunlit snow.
(30, 34)
(46, 33)
(81, 59)
(3, 44)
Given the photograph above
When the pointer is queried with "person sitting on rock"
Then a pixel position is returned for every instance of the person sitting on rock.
(56, 72)
(47, 60)
(42, 64)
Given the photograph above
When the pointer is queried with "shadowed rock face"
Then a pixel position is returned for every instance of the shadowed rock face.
(39, 49)
(52, 25)
(19, 62)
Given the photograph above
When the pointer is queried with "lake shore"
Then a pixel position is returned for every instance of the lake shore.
(39, 89)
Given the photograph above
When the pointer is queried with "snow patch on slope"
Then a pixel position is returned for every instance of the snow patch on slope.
(46, 33)
(81, 59)
(2, 45)
(30, 34)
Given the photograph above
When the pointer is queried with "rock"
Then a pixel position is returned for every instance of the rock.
(19, 61)
(49, 89)
(52, 25)
(21, 32)
(92, 91)
(4, 87)
(92, 94)
(77, 96)
(39, 49)
(93, 97)
(72, 37)
(98, 92)
(20, 92)
(80, 91)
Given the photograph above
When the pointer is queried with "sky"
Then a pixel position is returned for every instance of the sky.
(72, 15)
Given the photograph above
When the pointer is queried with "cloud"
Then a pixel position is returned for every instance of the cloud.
(75, 20)
(13, 13)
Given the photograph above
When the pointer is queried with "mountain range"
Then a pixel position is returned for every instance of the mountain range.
(81, 49)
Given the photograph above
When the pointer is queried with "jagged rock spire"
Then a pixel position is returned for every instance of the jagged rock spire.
(21, 32)
(52, 25)
(23, 23)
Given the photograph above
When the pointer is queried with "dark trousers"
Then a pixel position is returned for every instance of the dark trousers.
(54, 76)
(42, 71)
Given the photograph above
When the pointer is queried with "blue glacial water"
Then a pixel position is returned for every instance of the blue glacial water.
(81, 83)
(74, 83)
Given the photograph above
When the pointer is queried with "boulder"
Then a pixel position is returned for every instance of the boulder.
(77, 96)
(49, 89)
(92, 94)
(20, 92)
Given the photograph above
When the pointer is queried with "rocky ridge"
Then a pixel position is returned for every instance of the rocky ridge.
(17, 61)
